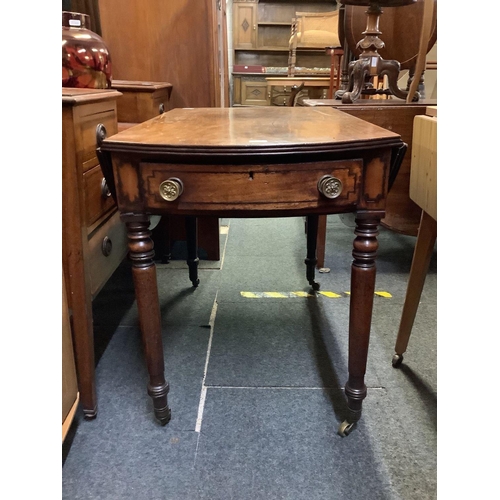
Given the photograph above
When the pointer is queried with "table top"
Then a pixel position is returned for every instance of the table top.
(250, 130)
(139, 85)
(73, 95)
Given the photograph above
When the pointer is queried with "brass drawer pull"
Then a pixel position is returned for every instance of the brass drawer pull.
(107, 246)
(171, 189)
(100, 134)
(330, 186)
(105, 192)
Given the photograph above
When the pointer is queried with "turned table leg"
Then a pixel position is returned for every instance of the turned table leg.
(141, 254)
(360, 313)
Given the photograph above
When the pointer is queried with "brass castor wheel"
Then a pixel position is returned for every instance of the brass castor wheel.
(345, 428)
(397, 359)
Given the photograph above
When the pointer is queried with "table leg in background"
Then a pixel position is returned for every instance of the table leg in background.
(192, 248)
(310, 261)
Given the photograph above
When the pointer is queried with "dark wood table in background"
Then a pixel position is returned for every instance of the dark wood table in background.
(252, 162)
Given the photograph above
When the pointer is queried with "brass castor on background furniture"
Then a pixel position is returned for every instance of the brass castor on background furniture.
(397, 359)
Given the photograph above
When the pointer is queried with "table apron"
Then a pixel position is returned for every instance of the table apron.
(251, 187)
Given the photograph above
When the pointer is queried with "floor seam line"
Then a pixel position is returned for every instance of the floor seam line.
(203, 393)
(281, 387)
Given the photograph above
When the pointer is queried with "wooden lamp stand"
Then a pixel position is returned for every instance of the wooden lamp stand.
(370, 64)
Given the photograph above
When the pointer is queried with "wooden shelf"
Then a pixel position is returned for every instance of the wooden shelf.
(274, 23)
(261, 37)
(264, 49)
(280, 49)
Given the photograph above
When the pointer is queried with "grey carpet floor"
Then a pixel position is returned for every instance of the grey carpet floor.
(256, 382)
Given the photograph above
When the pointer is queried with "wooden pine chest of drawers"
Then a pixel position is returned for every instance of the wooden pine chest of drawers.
(93, 239)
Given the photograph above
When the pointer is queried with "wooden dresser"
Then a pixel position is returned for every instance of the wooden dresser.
(93, 237)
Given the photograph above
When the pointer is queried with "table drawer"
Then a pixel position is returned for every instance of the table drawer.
(252, 187)
(107, 248)
(280, 99)
(98, 198)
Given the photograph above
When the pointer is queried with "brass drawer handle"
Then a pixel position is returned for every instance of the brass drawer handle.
(105, 192)
(100, 134)
(171, 189)
(330, 186)
(107, 246)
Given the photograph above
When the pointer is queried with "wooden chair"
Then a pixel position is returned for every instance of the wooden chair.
(312, 30)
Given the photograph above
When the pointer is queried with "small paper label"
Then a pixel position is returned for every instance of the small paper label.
(75, 22)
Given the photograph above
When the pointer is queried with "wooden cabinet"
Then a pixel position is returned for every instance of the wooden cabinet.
(279, 95)
(261, 36)
(254, 91)
(93, 239)
(244, 25)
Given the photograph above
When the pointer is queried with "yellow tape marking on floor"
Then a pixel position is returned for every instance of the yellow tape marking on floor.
(288, 295)
(331, 295)
(276, 295)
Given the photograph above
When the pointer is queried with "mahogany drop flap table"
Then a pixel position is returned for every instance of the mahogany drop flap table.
(252, 162)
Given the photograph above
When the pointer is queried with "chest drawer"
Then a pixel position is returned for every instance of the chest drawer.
(86, 132)
(107, 248)
(98, 198)
(141, 100)
(139, 107)
(252, 187)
